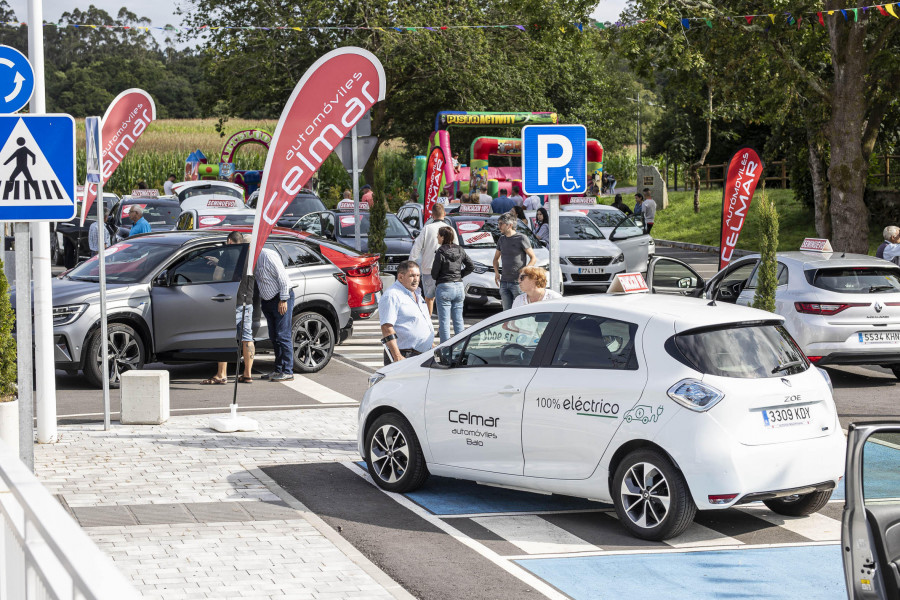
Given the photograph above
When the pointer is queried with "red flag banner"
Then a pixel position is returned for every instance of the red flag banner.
(123, 123)
(435, 171)
(334, 93)
(744, 171)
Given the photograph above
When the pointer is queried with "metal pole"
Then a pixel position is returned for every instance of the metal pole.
(639, 131)
(24, 344)
(43, 289)
(104, 333)
(355, 168)
(555, 273)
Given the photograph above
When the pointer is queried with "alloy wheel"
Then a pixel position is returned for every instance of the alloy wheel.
(645, 495)
(124, 355)
(312, 343)
(389, 453)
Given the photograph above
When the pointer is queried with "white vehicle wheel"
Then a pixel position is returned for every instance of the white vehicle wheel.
(393, 454)
(651, 496)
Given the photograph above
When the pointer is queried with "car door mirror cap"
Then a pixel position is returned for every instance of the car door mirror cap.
(162, 280)
(442, 358)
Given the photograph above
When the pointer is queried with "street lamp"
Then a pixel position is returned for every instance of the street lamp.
(640, 103)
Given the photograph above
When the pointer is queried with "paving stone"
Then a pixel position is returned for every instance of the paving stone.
(158, 514)
(98, 516)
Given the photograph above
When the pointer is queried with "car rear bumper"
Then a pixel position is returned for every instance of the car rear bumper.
(346, 332)
(859, 358)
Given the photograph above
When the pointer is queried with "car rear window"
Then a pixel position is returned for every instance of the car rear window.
(751, 352)
(856, 280)
(303, 205)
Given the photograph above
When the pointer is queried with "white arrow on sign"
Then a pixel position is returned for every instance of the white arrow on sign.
(18, 81)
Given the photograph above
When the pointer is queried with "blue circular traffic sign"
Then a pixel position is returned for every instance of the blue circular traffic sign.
(16, 80)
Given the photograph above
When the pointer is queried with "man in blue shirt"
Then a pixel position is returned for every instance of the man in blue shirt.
(136, 214)
(502, 203)
(405, 321)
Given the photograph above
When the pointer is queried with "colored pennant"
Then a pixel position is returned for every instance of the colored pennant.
(821, 20)
(686, 23)
(890, 9)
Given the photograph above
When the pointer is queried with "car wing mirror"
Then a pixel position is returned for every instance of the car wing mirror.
(443, 358)
(414, 232)
(162, 280)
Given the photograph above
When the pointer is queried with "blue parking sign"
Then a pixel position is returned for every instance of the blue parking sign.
(554, 159)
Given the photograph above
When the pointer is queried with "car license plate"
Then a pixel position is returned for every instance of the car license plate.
(786, 417)
(879, 337)
(390, 268)
(590, 270)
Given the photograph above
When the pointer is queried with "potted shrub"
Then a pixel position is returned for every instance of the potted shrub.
(9, 406)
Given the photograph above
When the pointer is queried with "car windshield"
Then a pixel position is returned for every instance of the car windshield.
(161, 217)
(395, 229)
(752, 352)
(205, 221)
(578, 228)
(606, 218)
(856, 280)
(210, 190)
(303, 204)
(126, 262)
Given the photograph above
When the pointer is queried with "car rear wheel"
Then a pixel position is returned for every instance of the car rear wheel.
(126, 352)
(393, 454)
(651, 496)
(799, 505)
(313, 340)
(896, 371)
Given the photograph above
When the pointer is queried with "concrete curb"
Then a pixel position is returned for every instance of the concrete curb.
(700, 247)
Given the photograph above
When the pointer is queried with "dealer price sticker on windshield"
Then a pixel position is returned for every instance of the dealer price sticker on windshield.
(879, 337)
(786, 417)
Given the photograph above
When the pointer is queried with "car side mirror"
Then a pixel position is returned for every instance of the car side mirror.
(414, 232)
(162, 280)
(443, 357)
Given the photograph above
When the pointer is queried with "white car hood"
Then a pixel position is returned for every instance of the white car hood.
(587, 248)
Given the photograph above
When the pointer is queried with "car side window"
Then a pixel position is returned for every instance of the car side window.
(208, 265)
(297, 255)
(594, 342)
(328, 224)
(311, 223)
(738, 274)
(782, 275)
(510, 343)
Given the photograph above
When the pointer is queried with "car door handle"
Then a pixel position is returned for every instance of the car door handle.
(509, 390)
(221, 298)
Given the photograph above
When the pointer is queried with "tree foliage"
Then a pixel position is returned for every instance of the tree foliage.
(7, 342)
(767, 280)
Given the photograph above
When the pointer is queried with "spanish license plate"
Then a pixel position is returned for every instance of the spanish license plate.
(879, 337)
(590, 270)
(390, 268)
(786, 417)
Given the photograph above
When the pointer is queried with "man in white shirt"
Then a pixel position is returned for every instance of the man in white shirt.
(649, 210)
(533, 203)
(423, 250)
(167, 186)
(517, 197)
(94, 238)
(483, 196)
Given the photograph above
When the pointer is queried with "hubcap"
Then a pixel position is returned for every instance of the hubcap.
(645, 495)
(124, 354)
(312, 343)
(389, 453)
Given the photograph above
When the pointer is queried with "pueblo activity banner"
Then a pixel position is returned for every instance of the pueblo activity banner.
(434, 171)
(334, 93)
(123, 123)
(744, 171)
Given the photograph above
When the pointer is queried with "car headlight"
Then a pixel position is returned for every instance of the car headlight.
(375, 378)
(618, 259)
(695, 395)
(63, 315)
(480, 267)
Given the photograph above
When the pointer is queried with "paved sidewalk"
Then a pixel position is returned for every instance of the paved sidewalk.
(185, 512)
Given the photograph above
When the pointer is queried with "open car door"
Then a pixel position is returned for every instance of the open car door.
(666, 275)
(870, 527)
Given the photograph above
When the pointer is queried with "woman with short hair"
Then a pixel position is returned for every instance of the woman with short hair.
(533, 283)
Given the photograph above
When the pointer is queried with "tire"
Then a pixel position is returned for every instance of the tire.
(126, 352)
(313, 342)
(896, 371)
(56, 253)
(799, 505)
(646, 516)
(394, 455)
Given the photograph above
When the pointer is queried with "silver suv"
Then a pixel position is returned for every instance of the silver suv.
(166, 302)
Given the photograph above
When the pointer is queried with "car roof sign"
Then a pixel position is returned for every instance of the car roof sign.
(583, 200)
(475, 208)
(347, 205)
(816, 245)
(145, 193)
(628, 283)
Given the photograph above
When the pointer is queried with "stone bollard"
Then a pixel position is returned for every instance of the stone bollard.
(145, 397)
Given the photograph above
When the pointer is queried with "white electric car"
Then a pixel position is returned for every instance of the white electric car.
(842, 309)
(625, 232)
(661, 405)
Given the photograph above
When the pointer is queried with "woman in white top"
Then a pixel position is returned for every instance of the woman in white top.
(533, 283)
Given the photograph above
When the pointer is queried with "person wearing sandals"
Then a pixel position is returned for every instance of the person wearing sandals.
(533, 283)
(451, 264)
(243, 314)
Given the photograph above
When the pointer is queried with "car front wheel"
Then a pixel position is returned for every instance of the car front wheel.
(651, 496)
(799, 505)
(313, 340)
(393, 454)
(126, 352)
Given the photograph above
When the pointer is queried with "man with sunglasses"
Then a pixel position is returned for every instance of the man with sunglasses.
(513, 253)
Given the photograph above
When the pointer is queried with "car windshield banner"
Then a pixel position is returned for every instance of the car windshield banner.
(744, 171)
(334, 93)
(433, 171)
(123, 123)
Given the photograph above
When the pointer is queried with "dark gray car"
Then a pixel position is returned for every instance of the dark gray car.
(167, 302)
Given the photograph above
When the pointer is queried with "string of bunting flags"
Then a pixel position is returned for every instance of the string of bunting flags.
(886, 10)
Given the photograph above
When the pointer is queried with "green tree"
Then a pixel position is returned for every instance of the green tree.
(767, 280)
(7, 342)
(378, 216)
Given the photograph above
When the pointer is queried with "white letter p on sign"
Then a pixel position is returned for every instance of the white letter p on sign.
(544, 161)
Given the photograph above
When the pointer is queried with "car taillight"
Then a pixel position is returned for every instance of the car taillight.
(722, 498)
(342, 277)
(822, 308)
(358, 271)
(814, 358)
(365, 315)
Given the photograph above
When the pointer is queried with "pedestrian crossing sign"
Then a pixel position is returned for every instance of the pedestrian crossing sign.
(37, 167)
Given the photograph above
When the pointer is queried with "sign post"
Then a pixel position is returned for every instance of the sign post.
(355, 176)
(554, 161)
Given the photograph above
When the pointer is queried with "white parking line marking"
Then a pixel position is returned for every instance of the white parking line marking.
(700, 536)
(660, 550)
(816, 527)
(535, 535)
(317, 391)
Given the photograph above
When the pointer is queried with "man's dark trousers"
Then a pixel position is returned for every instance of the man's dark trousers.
(280, 333)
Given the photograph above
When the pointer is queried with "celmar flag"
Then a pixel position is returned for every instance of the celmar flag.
(744, 171)
(123, 123)
(334, 93)
(433, 172)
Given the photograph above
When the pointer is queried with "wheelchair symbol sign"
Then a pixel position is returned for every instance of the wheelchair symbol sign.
(16, 80)
(554, 159)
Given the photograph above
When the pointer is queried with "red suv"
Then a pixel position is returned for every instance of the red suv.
(361, 270)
